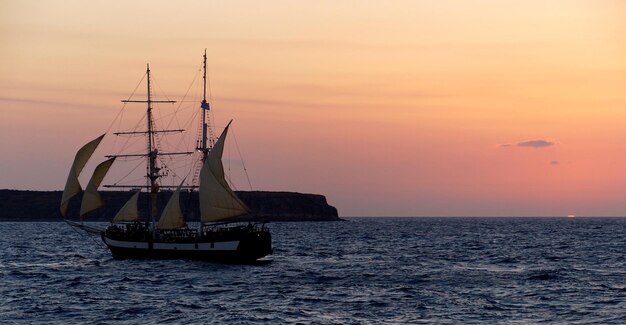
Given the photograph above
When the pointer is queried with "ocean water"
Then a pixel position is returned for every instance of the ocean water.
(366, 271)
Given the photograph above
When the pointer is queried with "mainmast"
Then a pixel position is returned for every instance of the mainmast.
(204, 145)
(152, 152)
(153, 170)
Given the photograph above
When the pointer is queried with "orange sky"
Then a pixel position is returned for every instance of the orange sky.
(410, 108)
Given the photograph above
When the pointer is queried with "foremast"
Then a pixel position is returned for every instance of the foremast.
(152, 152)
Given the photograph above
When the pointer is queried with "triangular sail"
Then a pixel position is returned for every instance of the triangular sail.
(129, 211)
(172, 216)
(91, 198)
(72, 186)
(217, 199)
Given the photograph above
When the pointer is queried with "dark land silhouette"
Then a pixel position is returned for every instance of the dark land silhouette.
(18, 205)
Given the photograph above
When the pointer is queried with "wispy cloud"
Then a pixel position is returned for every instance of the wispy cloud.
(30, 101)
(535, 143)
(9, 100)
(555, 163)
(538, 143)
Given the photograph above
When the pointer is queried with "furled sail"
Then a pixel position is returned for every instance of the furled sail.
(129, 211)
(172, 216)
(91, 198)
(72, 186)
(217, 199)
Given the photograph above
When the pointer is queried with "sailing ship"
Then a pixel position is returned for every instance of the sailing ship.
(129, 235)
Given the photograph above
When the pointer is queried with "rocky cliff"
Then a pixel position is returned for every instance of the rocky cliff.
(266, 206)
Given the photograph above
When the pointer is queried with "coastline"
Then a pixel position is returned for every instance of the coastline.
(42, 206)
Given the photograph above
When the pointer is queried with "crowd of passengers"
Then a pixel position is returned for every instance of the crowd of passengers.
(140, 231)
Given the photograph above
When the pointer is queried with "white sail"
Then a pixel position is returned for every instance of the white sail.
(217, 200)
(72, 186)
(91, 198)
(172, 216)
(129, 211)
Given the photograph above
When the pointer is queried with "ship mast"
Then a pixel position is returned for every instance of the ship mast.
(205, 107)
(153, 169)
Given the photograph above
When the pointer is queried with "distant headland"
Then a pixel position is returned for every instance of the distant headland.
(18, 205)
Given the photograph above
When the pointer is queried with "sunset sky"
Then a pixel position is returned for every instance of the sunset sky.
(388, 108)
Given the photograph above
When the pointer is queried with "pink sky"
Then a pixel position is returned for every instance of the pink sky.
(405, 108)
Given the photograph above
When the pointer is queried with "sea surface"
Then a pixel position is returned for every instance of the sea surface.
(365, 271)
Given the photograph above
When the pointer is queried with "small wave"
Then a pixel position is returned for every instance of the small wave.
(327, 278)
(544, 275)
(29, 275)
(75, 282)
(615, 287)
(507, 260)
(554, 257)
(608, 302)
(135, 310)
(312, 299)
(214, 292)
(140, 280)
(188, 305)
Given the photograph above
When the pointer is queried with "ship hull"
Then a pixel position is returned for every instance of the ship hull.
(243, 248)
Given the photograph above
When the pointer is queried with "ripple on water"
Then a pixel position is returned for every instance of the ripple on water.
(369, 270)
